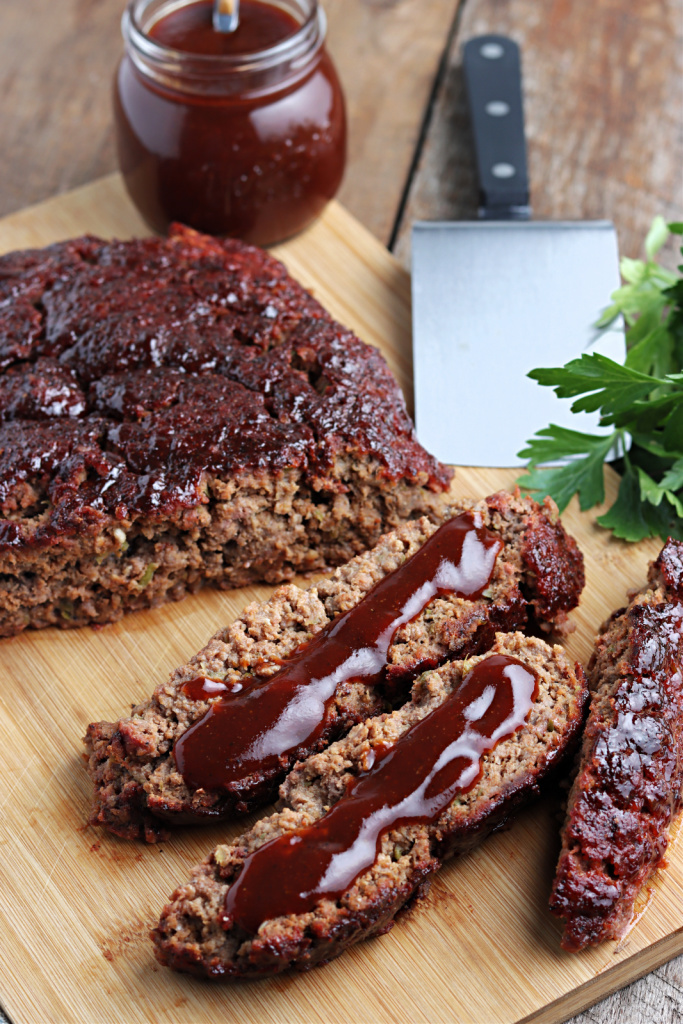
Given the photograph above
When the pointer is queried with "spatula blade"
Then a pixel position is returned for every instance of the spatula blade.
(492, 301)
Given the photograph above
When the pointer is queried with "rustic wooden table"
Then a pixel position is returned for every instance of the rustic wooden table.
(604, 108)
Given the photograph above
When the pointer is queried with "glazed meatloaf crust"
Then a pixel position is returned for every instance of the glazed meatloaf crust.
(537, 578)
(630, 779)
(191, 935)
(176, 411)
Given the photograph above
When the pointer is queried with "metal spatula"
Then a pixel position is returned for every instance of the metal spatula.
(494, 298)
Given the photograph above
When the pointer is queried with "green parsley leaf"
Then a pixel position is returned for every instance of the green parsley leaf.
(649, 490)
(629, 518)
(653, 353)
(672, 434)
(656, 237)
(674, 500)
(641, 400)
(673, 478)
(653, 446)
(554, 443)
(612, 387)
(582, 475)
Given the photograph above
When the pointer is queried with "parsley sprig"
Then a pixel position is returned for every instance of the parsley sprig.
(641, 400)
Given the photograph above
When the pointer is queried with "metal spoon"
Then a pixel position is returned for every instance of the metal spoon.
(226, 14)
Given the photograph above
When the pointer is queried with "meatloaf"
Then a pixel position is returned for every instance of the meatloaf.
(194, 933)
(537, 578)
(628, 787)
(174, 411)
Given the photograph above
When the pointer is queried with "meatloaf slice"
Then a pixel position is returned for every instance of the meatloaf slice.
(628, 787)
(537, 578)
(192, 934)
(175, 411)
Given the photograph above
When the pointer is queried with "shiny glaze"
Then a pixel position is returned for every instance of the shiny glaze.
(204, 688)
(129, 371)
(269, 723)
(253, 161)
(412, 782)
(669, 564)
(635, 759)
(552, 566)
(630, 783)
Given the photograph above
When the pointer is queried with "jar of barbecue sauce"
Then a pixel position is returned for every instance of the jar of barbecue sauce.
(239, 134)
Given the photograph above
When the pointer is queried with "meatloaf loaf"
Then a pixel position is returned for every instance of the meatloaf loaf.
(537, 578)
(630, 779)
(194, 933)
(175, 411)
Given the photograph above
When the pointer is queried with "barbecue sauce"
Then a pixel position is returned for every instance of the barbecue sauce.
(266, 723)
(190, 29)
(239, 134)
(411, 783)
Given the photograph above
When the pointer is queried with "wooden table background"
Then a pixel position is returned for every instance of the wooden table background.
(604, 108)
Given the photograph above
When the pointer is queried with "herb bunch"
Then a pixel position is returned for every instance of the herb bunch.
(641, 401)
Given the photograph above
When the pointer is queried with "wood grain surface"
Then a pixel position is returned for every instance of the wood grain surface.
(603, 88)
(655, 999)
(77, 903)
(603, 91)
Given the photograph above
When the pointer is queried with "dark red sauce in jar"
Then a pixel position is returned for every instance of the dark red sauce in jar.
(239, 134)
(190, 29)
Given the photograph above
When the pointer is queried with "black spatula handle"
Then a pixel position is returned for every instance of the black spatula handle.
(493, 76)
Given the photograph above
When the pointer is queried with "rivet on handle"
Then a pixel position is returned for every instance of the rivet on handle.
(497, 108)
(492, 51)
(503, 171)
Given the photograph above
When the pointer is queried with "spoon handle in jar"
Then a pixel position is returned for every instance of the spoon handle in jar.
(226, 15)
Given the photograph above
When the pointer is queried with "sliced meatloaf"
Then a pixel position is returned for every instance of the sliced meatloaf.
(537, 578)
(175, 411)
(629, 784)
(194, 934)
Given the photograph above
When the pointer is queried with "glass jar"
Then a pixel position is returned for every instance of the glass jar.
(250, 145)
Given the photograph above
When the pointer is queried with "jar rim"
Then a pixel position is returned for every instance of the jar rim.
(293, 48)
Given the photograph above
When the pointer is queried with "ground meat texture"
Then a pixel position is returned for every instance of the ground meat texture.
(138, 790)
(630, 777)
(189, 936)
(176, 411)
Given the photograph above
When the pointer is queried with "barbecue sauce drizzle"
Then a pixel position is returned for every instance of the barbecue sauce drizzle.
(413, 782)
(260, 724)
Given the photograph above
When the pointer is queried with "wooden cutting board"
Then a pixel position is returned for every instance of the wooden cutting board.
(77, 904)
